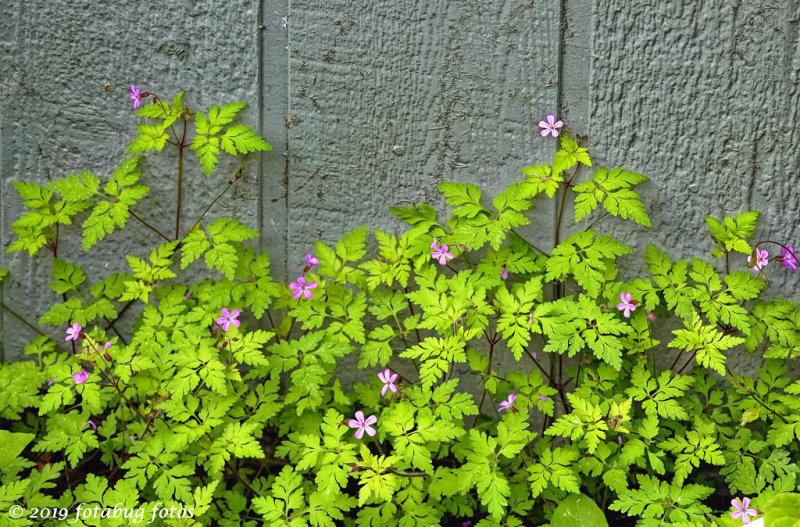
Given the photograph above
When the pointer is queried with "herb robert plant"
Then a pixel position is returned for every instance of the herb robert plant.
(193, 379)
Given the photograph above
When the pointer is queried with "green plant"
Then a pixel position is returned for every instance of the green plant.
(197, 417)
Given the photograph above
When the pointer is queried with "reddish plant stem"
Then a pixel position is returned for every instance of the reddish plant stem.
(181, 146)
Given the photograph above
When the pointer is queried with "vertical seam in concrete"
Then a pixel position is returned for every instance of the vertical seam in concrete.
(273, 103)
(260, 102)
(2, 241)
(287, 216)
(562, 26)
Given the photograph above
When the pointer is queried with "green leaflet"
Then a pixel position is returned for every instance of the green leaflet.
(612, 188)
(237, 139)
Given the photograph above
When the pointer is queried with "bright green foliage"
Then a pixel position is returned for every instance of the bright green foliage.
(237, 138)
(111, 213)
(506, 387)
(588, 260)
(705, 342)
(658, 501)
(569, 155)
(614, 190)
(731, 234)
(577, 509)
(781, 511)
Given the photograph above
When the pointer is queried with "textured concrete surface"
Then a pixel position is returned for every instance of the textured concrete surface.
(369, 104)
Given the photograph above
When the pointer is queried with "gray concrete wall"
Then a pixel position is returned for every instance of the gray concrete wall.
(371, 103)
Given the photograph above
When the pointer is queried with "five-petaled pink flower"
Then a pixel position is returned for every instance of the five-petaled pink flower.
(508, 404)
(626, 305)
(441, 253)
(135, 96)
(73, 332)
(761, 259)
(742, 511)
(550, 126)
(80, 376)
(228, 318)
(302, 288)
(388, 379)
(788, 258)
(362, 425)
(311, 260)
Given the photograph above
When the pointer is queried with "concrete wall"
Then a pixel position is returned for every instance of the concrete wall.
(371, 103)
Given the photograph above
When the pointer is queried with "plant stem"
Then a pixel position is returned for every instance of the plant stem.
(532, 246)
(21, 319)
(181, 146)
(756, 398)
(492, 340)
(539, 366)
(119, 315)
(148, 225)
(227, 188)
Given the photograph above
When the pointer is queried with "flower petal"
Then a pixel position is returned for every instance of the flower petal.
(359, 433)
(360, 416)
(352, 423)
(370, 431)
(371, 419)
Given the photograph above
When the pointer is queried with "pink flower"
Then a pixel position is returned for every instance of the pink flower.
(80, 376)
(651, 316)
(91, 423)
(626, 305)
(311, 260)
(788, 258)
(742, 511)
(508, 404)
(105, 350)
(388, 379)
(543, 398)
(302, 288)
(73, 332)
(441, 253)
(135, 96)
(228, 318)
(51, 382)
(362, 425)
(761, 260)
(505, 273)
(549, 126)
(619, 440)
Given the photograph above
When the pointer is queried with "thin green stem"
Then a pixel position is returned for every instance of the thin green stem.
(532, 246)
(21, 319)
(492, 340)
(143, 222)
(752, 394)
(228, 186)
(181, 146)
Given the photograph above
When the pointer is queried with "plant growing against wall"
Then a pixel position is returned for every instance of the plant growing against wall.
(221, 405)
